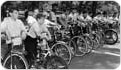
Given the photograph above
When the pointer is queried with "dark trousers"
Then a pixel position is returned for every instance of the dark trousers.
(30, 46)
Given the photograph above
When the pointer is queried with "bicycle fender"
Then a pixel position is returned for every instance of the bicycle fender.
(111, 30)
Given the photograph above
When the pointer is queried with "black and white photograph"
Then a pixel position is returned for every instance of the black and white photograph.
(60, 34)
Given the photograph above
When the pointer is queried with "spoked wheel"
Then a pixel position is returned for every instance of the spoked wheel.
(81, 45)
(100, 36)
(72, 47)
(15, 61)
(111, 37)
(99, 40)
(56, 62)
(89, 43)
(95, 41)
(63, 51)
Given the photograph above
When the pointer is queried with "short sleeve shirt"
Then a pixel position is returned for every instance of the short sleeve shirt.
(34, 27)
(13, 28)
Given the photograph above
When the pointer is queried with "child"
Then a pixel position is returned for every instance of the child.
(44, 33)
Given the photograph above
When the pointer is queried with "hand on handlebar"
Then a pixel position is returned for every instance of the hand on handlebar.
(57, 27)
(3, 37)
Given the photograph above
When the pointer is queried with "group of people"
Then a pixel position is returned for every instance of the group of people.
(38, 24)
(86, 16)
(17, 34)
(74, 15)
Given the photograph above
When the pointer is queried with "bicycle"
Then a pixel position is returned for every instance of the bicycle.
(110, 35)
(77, 40)
(47, 59)
(15, 59)
(59, 46)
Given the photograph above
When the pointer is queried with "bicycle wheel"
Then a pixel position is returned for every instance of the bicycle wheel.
(95, 41)
(111, 37)
(89, 43)
(15, 61)
(81, 45)
(99, 40)
(100, 37)
(72, 47)
(63, 51)
(55, 62)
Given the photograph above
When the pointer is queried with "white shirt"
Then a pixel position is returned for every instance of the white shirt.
(13, 28)
(98, 18)
(80, 17)
(111, 19)
(74, 16)
(88, 18)
(47, 22)
(44, 31)
(34, 27)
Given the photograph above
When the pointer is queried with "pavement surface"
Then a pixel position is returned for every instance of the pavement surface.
(106, 57)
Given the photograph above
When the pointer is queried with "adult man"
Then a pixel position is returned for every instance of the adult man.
(50, 15)
(98, 17)
(86, 16)
(74, 15)
(15, 32)
(49, 22)
(13, 28)
(64, 18)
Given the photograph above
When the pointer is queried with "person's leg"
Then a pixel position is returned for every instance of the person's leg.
(30, 47)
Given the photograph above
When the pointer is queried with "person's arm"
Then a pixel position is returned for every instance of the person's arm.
(37, 29)
(3, 30)
(22, 26)
(3, 26)
(51, 23)
(49, 35)
(45, 29)
(23, 30)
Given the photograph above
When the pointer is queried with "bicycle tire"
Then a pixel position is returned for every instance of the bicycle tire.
(95, 42)
(69, 52)
(108, 42)
(72, 45)
(77, 37)
(18, 55)
(56, 58)
(89, 43)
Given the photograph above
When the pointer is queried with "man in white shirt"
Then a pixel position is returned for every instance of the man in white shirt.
(13, 28)
(15, 32)
(50, 15)
(84, 22)
(48, 22)
(74, 15)
(98, 17)
(86, 17)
